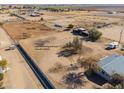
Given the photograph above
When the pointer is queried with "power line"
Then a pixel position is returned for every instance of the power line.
(120, 36)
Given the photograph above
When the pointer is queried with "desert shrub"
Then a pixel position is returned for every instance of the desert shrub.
(1, 76)
(72, 67)
(86, 62)
(70, 26)
(117, 79)
(120, 86)
(1, 23)
(89, 64)
(94, 35)
(68, 45)
(73, 80)
(115, 23)
(40, 42)
(41, 19)
(1, 85)
(71, 48)
(57, 68)
(108, 86)
(3, 63)
(25, 35)
(76, 44)
(88, 72)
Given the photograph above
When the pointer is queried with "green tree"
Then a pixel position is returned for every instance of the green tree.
(94, 34)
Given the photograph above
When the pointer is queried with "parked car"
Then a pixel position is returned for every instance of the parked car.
(34, 15)
(112, 45)
(57, 25)
(80, 31)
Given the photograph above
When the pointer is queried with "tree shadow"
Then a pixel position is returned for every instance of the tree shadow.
(66, 53)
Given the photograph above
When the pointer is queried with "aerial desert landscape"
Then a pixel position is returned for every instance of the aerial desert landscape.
(61, 47)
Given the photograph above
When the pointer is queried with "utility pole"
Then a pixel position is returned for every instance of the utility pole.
(120, 36)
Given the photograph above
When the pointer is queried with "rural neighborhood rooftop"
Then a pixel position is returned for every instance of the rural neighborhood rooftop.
(112, 64)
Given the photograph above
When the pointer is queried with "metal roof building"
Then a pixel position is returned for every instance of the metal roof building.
(112, 64)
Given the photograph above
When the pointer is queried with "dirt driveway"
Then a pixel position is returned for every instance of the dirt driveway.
(19, 75)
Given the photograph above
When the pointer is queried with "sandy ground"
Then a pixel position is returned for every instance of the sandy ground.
(87, 19)
(7, 17)
(19, 75)
(78, 18)
(4, 42)
(47, 59)
(113, 33)
(31, 29)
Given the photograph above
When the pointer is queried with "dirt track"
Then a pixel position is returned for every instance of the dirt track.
(19, 75)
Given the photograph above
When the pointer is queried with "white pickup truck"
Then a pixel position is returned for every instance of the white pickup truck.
(112, 45)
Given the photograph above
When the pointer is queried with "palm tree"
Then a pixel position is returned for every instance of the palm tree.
(73, 80)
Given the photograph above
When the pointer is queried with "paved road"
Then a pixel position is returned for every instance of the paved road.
(40, 75)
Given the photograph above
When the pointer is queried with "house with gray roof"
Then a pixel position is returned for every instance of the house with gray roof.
(111, 65)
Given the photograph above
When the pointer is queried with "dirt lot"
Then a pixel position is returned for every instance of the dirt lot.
(22, 30)
(88, 19)
(78, 18)
(47, 57)
(81, 18)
